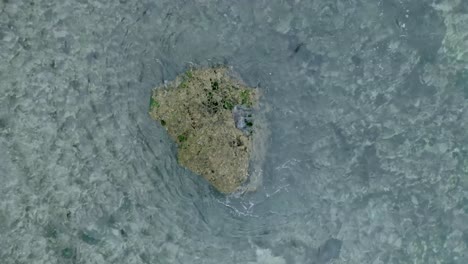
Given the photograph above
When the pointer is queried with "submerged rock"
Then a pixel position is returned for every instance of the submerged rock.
(211, 118)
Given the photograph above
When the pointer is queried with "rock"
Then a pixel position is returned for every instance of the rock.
(243, 119)
(211, 118)
(329, 250)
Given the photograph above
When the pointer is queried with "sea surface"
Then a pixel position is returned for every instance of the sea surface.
(367, 155)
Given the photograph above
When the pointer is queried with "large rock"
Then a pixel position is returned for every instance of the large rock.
(210, 116)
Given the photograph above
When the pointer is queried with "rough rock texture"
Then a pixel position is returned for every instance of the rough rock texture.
(209, 115)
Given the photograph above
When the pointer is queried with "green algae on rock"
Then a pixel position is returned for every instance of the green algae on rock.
(210, 117)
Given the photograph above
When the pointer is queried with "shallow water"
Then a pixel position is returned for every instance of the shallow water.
(367, 158)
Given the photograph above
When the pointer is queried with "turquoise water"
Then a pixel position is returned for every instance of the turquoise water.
(367, 159)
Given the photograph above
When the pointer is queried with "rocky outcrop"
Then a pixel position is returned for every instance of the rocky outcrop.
(210, 116)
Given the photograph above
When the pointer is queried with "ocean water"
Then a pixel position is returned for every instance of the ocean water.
(367, 156)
